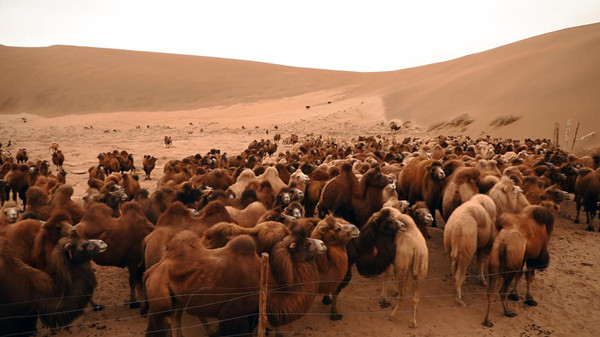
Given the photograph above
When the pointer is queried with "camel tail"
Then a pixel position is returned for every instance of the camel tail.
(503, 257)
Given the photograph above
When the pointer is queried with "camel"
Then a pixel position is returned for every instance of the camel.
(124, 235)
(470, 229)
(411, 260)
(58, 294)
(58, 158)
(422, 179)
(522, 242)
(333, 265)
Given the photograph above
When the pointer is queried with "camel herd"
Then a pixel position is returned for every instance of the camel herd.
(320, 207)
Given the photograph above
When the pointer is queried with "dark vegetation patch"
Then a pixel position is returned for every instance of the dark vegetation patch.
(461, 121)
(504, 121)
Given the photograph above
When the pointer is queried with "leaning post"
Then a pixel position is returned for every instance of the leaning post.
(262, 302)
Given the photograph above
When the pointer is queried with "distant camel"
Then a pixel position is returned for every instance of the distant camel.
(168, 142)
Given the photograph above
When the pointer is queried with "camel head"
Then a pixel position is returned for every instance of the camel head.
(435, 171)
(376, 178)
(80, 250)
(300, 176)
(335, 231)
(294, 210)
(385, 222)
(301, 247)
(10, 211)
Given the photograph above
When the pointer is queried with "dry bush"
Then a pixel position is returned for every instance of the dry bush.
(504, 121)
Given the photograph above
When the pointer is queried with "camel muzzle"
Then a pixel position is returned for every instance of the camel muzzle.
(351, 229)
(320, 245)
(97, 244)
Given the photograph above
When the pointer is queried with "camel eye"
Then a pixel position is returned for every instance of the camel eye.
(338, 229)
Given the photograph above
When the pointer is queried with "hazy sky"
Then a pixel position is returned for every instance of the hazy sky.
(366, 35)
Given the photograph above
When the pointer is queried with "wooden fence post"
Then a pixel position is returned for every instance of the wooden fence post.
(262, 302)
(575, 136)
(567, 135)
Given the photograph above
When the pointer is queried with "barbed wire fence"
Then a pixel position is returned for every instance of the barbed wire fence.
(240, 293)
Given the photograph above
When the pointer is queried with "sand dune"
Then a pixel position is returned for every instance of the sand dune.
(548, 78)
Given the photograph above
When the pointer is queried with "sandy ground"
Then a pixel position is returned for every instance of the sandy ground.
(568, 292)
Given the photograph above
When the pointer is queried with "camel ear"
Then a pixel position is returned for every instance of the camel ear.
(293, 245)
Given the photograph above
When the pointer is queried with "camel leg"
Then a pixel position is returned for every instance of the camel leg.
(482, 258)
(504, 292)
(176, 323)
(490, 298)
(401, 276)
(577, 207)
(383, 303)
(529, 275)
(334, 316)
(459, 271)
(514, 294)
(415, 300)
(133, 303)
(335, 294)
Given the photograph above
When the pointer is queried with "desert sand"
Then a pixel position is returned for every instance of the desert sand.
(96, 100)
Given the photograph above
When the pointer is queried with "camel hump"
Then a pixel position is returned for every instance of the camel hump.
(543, 215)
(346, 167)
(243, 245)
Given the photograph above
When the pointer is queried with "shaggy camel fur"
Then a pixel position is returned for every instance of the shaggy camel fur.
(41, 206)
(333, 265)
(124, 236)
(34, 240)
(522, 242)
(110, 194)
(352, 199)
(217, 179)
(59, 294)
(176, 218)
(295, 274)
(534, 191)
(487, 183)
(318, 178)
(265, 235)
(173, 177)
(470, 229)
(156, 204)
(459, 188)
(248, 217)
(422, 179)
(199, 281)
(130, 185)
(507, 196)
